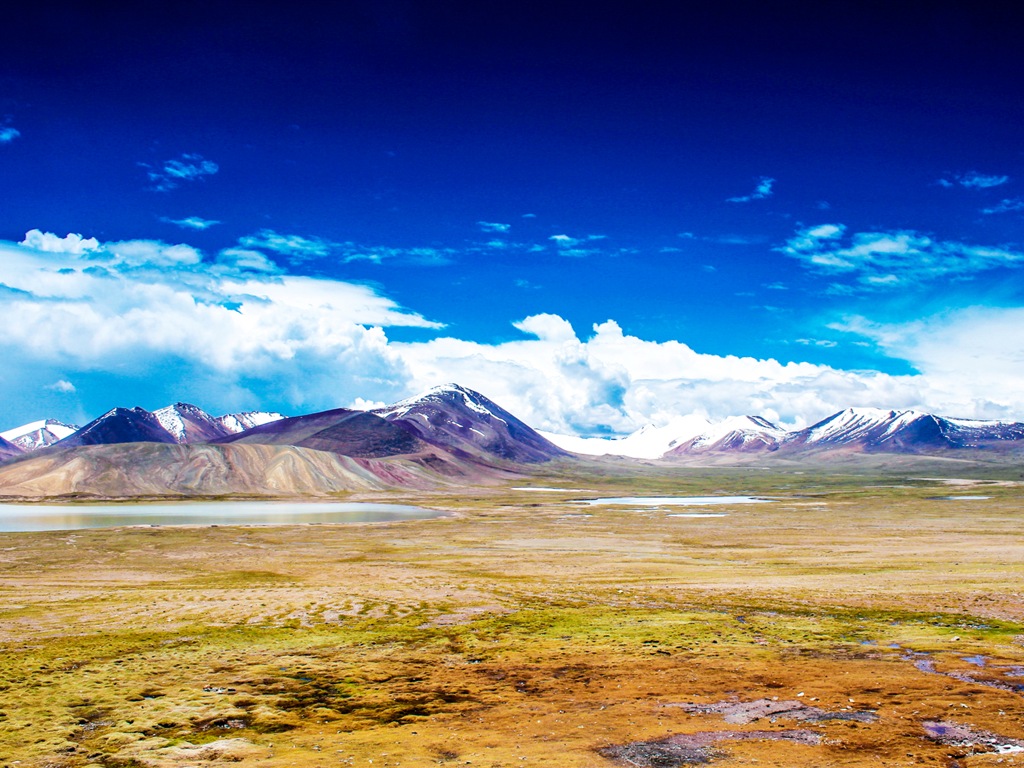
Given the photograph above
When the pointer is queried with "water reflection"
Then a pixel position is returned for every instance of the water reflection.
(63, 517)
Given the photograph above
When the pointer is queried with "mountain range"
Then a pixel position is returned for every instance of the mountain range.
(860, 430)
(447, 435)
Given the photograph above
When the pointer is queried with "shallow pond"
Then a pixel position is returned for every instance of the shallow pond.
(676, 501)
(66, 517)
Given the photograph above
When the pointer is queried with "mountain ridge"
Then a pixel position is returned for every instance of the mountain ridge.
(852, 429)
(453, 423)
(446, 436)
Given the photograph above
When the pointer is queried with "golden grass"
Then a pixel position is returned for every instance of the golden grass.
(524, 629)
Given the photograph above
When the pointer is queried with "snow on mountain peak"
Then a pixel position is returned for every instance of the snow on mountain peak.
(855, 423)
(38, 434)
(239, 422)
(648, 442)
(178, 418)
(441, 393)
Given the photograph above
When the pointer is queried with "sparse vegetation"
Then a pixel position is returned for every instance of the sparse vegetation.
(527, 629)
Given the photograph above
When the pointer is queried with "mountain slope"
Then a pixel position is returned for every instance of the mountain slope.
(974, 433)
(38, 434)
(150, 469)
(343, 431)
(8, 450)
(120, 425)
(470, 425)
(870, 429)
(739, 434)
(189, 424)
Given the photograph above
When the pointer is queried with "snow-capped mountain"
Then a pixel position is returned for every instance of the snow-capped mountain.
(867, 427)
(178, 423)
(120, 425)
(239, 422)
(452, 421)
(38, 434)
(189, 424)
(850, 430)
(876, 430)
(970, 433)
(738, 434)
(648, 442)
(468, 424)
(683, 436)
(341, 430)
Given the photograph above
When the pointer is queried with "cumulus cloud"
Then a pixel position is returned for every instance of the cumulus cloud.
(971, 360)
(240, 332)
(51, 243)
(132, 306)
(63, 386)
(191, 222)
(611, 382)
(8, 134)
(880, 260)
(171, 173)
(761, 191)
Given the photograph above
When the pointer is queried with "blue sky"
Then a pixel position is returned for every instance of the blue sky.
(597, 218)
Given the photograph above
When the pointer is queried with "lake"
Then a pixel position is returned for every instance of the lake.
(676, 501)
(67, 517)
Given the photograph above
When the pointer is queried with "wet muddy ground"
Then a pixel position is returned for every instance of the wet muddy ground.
(845, 625)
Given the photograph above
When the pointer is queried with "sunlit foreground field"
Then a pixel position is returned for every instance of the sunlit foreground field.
(857, 620)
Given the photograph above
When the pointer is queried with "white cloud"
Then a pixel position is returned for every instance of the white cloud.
(575, 246)
(191, 222)
(613, 382)
(826, 343)
(971, 360)
(491, 226)
(169, 174)
(8, 134)
(564, 241)
(300, 248)
(63, 386)
(172, 319)
(975, 180)
(49, 242)
(1007, 205)
(122, 308)
(878, 260)
(296, 247)
(246, 259)
(361, 404)
(547, 327)
(761, 191)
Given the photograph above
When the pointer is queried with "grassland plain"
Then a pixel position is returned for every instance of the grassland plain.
(859, 620)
